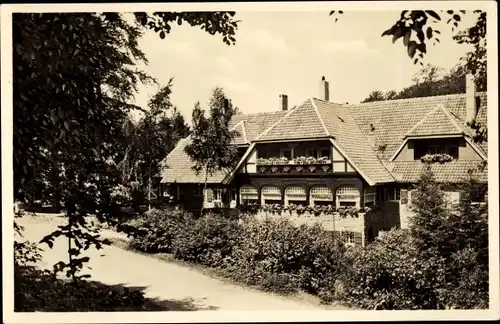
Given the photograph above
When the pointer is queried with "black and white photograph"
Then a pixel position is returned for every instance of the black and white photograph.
(191, 162)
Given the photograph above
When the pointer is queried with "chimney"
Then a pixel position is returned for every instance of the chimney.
(324, 90)
(283, 102)
(470, 102)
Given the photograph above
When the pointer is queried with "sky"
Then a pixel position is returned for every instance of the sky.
(288, 53)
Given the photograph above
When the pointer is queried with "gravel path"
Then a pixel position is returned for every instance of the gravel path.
(175, 285)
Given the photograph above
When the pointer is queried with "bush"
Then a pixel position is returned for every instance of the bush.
(391, 274)
(156, 229)
(38, 290)
(276, 255)
(208, 240)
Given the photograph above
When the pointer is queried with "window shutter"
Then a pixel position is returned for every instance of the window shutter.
(209, 195)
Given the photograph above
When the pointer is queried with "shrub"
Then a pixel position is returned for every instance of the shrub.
(156, 229)
(38, 290)
(273, 251)
(391, 274)
(208, 240)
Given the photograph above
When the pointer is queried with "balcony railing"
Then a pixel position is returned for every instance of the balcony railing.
(297, 165)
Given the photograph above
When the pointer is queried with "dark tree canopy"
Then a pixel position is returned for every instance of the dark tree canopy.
(429, 81)
(75, 75)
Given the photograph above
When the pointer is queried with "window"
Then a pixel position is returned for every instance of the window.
(312, 152)
(370, 196)
(270, 194)
(248, 193)
(233, 194)
(321, 194)
(218, 195)
(436, 146)
(392, 194)
(324, 152)
(286, 152)
(347, 237)
(435, 149)
(347, 195)
(209, 195)
(295, 194)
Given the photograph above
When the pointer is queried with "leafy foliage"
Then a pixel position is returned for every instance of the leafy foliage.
(276, 255)
(210, 146)
(73, 78)
(390, 274)
(208, 241)
(149, 140)
(157, 229)
(419, 27)
(429, 81)
(39, 291)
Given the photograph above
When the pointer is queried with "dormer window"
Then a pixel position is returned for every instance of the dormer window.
(436, 146)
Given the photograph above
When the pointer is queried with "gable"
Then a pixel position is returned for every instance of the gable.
(302, 122)
(437, 122)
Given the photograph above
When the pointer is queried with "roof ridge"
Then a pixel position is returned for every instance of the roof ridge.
(279, 120)
(413, 99)
(244, 131)
(319, 117)
(447, 113)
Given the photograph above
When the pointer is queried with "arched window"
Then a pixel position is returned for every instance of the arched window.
(295, 194)
(248, 194)
(347, 195)
(270, 194)
(321, 195)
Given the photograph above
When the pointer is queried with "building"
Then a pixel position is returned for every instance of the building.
(348, 155)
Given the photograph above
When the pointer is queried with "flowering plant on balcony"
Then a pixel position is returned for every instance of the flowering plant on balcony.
(273, 161)
(318, 210)
(308, 160)
(273, 208)
(441, 158)
(348, 211)
(324, 160)
(305, 160)
(249, 207)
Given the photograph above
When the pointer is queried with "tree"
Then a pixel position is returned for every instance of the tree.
(210, 146)
(457, 234)
(429, 81)
(374, 96)
(430, 214)
(74, 75)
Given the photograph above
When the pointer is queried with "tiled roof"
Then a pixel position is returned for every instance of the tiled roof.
(340, 124)
(367, 133)
(255, 124)
(387, 122)
(178, 167)
(454, 171)
(241, 137)
(301, 122)
(437, 122)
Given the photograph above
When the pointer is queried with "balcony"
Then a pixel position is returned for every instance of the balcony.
(299, 165)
